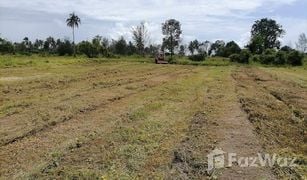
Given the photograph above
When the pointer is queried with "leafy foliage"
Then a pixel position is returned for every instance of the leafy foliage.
(6, 46)
(120, 46)
(64, 48)
(231, 48)
(198, 57)
(182, 49)
(295, 58)
(171, 30)
(73, 21)
(280, 58)
(268, 57)
(140, 37)
(217, 48)
(88, 49)
(193, 46)
(301, 45)
(265, 34)
(243, 57)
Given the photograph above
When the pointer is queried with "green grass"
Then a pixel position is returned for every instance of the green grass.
(7, 61)
(36, 60)
(211, 61)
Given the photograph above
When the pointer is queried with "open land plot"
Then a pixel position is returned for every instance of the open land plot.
(120, 119)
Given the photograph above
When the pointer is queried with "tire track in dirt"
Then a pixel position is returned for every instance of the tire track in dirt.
(237, 136)
(19, 157)
(228, 129)
(189, 156)
(271, 106)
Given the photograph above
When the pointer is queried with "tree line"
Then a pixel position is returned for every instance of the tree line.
(264, 45)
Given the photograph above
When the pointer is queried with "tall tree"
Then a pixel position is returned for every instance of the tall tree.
(26, 42)
(265, 34)
(50, 44)
(301, 45)
(105, 46)
(6, 46)
(26, 45)
(217, 48)
(206, 46)
(171, 30)
(38, 44)
(131, 49)
(121, 46)
(193, 46)
(140, 37)
(97, 45)
(231, 48)
(64, 47)
(73, 21)
(182, 50)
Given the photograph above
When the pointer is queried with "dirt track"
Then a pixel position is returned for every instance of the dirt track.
(138, 120)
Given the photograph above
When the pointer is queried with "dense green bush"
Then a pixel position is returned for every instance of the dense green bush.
(234, 57)
(255, 58)
(280, 58)
(268, 56)
(6, 47)
(286, 49)
(295, 58)
(198, 57)
(243, 57)
(88, 49)
(231, 48)
(65, 48)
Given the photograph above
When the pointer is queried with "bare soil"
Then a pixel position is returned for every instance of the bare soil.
(140, 121)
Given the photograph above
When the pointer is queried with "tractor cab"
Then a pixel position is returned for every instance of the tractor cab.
(160, 58)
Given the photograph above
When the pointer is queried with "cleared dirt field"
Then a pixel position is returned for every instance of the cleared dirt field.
(132, 120)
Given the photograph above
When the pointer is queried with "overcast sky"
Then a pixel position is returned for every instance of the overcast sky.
(201, 19)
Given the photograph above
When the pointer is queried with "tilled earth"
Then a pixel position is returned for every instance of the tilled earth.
(134, 120)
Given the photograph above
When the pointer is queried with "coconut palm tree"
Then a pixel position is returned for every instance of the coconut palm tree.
(73, 21)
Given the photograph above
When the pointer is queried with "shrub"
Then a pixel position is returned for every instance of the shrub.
(234, 58)
(286, 49)
(198, 57)
(280, 58)
(268, 56)
(255, 58)
(243, 57)
(65, 48)
(295, 58)
(88, 49)
(231, 48)
(6, 47)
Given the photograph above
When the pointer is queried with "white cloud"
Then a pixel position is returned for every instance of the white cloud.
(122, 10)
(205, 19)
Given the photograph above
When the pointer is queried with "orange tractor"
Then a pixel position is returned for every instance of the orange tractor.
(160, 58)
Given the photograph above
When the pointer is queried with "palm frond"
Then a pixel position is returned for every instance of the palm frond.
(73, 20)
